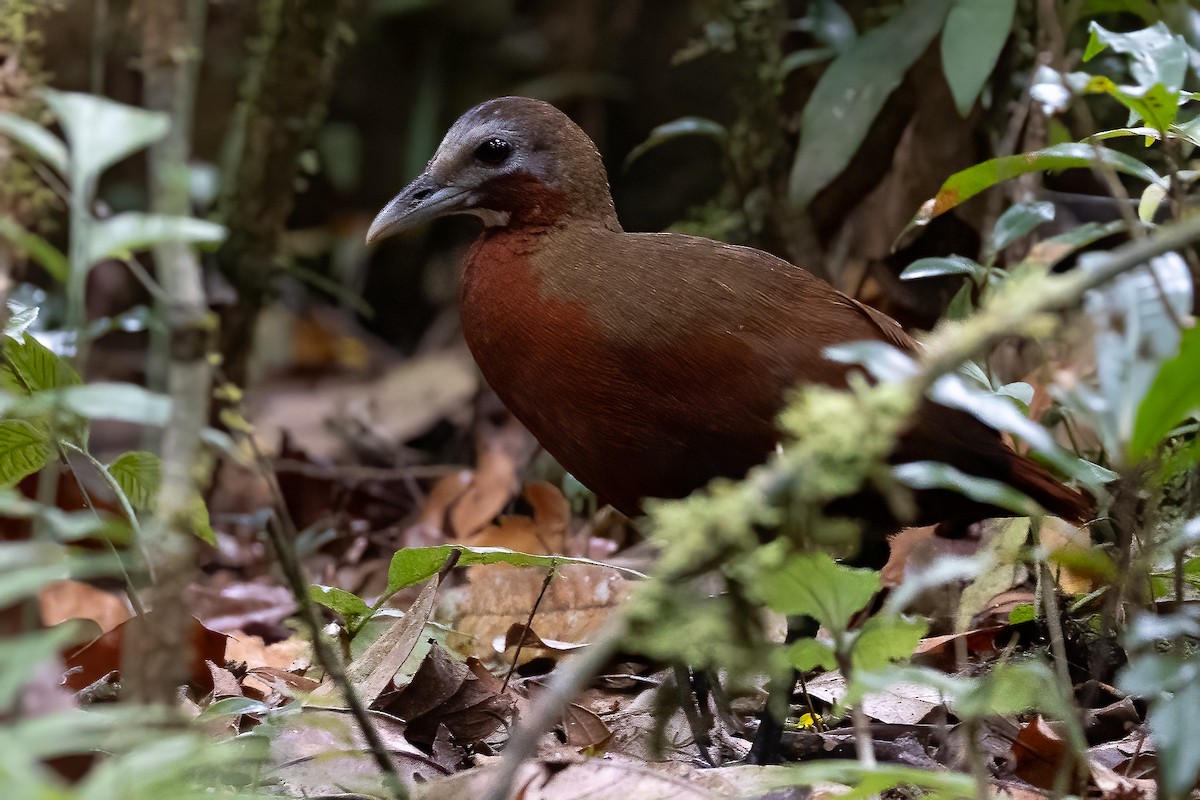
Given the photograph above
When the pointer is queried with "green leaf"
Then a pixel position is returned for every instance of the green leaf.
(415, 564)
(936, 475)
(101, 132)
(1049, 252)
(21, 656)
(139, 474)
(975, 33)
(962, 186)
(234, 707)
(885, 639)
(41, 251)
(30, 368)
(1173, 396)
(937, 266)
(24, 449)
(808, 654)
(352, 607)
(851, 93)
(876, 780)
(201, 524)
(127, 402)
(676, 129)
(1156, 104)
(29, 134)
(1175, 729)
(1157, 54)
(1018, 221)
(814, 585)
(123, 234)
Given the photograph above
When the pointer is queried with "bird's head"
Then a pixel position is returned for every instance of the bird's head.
(509, 161)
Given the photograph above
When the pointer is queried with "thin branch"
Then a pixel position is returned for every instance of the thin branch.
(283, 533)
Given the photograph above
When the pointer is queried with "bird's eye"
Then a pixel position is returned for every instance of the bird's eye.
(493, 152)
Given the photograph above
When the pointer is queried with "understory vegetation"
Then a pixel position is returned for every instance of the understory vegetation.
(265, 532)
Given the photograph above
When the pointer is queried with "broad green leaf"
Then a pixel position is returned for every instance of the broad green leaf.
(1018, 221)
(1173, 396)
(962, 186)
(937, 266)
(415, 564)
(30, 368)
(101, 132)
(814, 585)
(127, 402)
(808, 654)
(1156, 105)
(975, 33)
(1049, 252)
(29, 134)
(851, 93)
(1150, 202)
(24, 449)
(1157, 55)
(123, 234)
(885, 639)
(676, 129)
(41, 251)
(139, 474)
(352, 607)
(936, 475)
(962, 305)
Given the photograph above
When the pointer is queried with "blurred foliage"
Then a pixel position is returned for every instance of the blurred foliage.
(816, 112)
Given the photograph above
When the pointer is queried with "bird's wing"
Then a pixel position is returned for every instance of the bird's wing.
(888, 327)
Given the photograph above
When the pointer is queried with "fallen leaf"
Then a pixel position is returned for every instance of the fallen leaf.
(322, 752)
(494, 484)
(63, 600)
(1039, 753)
(543, 533)
(902, 703)
(371, 672)
(91, 662)
(448, 692)
(575, 605)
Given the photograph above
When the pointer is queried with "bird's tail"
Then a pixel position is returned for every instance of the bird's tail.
(1036, 481)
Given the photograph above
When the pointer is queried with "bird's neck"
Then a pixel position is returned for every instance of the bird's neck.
(532, 206)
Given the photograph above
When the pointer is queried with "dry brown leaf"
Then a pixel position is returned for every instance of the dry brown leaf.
(1039, 753)
(544, 533)
(322, 752)
(577, 602)
(901, 703)
(224, 682)
(91, 662)
(63, 600)
(493, 486)
(941, 651)
(405, 402)
(584, 729)
(232, 605)
(460, 696)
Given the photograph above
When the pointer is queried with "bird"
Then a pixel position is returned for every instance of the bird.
(649, 364)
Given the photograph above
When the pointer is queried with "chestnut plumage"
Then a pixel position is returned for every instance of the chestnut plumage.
(650, 363)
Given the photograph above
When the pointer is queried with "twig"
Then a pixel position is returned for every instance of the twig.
(282, 533)
(566, 682)
(528, 626)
